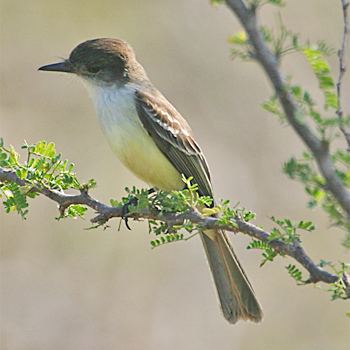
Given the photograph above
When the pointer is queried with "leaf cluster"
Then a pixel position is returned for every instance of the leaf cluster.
(285, 231)
(43, 168)
(339, 288)
(304, 170)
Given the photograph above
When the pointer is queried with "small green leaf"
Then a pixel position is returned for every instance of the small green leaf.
(276, 2)
(239, 38)
(321, 70)
(306, 225)
(294, 272)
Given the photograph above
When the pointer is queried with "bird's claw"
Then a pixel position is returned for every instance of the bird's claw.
(125, 211)
(133, 202)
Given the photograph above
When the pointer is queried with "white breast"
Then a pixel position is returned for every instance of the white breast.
(117, 114)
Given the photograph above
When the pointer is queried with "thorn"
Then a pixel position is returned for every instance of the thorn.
(346, 280)
(125, 211)
(62, 209)
(126, 222)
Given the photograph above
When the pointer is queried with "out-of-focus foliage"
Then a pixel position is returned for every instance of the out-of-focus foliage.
(323, 118)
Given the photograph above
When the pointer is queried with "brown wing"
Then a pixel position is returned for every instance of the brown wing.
(173, 136)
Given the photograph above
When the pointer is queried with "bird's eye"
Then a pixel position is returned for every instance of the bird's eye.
(94, 69)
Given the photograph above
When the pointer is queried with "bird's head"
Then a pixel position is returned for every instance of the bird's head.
(105, 61)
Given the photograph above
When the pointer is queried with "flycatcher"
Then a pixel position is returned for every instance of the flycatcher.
(154, 141)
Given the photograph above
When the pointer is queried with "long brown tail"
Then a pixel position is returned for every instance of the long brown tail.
(236, 294)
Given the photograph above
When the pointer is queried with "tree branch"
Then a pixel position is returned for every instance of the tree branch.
(342, 69)
(105, 212)
(268, 61)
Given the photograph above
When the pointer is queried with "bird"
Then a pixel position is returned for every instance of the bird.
(153, 140)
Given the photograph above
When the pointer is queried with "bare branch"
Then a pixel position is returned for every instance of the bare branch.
(105, 212)
(342, 69)
(268, 61)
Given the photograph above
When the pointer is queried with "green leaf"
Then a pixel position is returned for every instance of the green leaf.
(75, 211)
(240, 38)
(268, 252)
(273, 106)
(294, 272)
(306, 225)
(321, 70)
(217, 2)
(165, 239)
(276, 2)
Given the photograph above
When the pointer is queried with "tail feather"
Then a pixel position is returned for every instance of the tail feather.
(237, 297)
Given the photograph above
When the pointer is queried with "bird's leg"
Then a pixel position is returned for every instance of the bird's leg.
(132, 201)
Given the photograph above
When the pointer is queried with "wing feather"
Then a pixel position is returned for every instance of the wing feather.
(173, 136)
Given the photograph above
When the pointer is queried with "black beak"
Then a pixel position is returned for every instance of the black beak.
(64, 66)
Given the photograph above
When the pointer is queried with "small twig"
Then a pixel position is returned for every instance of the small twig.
(346, 281)
(105, 212)
(342, 70)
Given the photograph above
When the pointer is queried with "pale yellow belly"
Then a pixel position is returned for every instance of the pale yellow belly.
(138, 152)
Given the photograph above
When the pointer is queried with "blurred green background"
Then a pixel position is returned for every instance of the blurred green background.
(63, 287)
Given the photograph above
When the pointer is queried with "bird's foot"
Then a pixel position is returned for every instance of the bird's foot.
(131, 202)
(125, 210)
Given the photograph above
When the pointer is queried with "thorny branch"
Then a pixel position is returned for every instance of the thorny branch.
(319, 148)
(105, 212)
(342, 69)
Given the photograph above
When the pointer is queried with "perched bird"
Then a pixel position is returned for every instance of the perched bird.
(155, 142)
